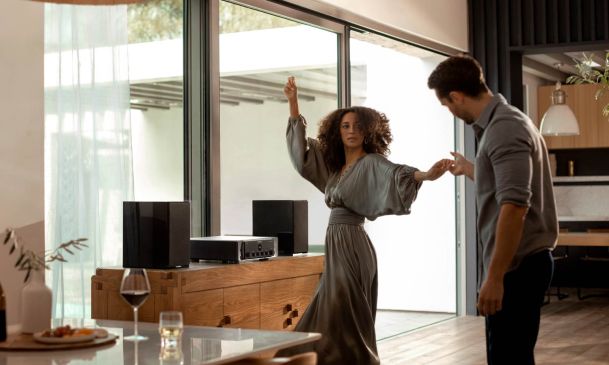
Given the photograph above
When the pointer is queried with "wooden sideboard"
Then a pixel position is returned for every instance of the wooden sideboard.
(270, 294)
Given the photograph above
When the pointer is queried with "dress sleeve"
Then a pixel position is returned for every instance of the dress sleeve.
(305, 154)
(382, 188)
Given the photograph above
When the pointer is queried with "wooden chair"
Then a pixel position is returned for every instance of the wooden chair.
(308, 358)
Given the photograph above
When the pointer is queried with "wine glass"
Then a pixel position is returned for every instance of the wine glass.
(135, 288)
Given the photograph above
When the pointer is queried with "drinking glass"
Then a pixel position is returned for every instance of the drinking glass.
(135, 289)
(170, 328)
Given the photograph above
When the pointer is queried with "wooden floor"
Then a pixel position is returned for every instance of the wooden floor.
(572, 332)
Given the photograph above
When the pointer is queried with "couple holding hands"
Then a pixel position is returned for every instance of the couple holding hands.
(517, 224)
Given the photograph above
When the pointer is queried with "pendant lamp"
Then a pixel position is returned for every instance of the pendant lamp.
(559, 119)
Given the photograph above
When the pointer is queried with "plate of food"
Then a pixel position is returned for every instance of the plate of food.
(65, 334)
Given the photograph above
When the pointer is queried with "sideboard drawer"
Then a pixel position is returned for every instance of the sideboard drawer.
(283, 302)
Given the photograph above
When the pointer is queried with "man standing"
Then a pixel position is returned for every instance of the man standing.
(517, 223)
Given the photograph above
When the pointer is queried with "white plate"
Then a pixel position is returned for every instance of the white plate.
(38, 337)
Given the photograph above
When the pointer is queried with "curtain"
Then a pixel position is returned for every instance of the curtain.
(88, 155)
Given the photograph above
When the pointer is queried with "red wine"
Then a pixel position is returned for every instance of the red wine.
(135, 298)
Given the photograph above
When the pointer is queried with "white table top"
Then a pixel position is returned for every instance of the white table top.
(200, 345)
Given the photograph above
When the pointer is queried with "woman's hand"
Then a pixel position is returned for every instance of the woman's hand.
(291, 92)
(461, 166)
(438, 169)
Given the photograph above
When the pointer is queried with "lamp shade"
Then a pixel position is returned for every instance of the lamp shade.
(91, 2)
(559, 119)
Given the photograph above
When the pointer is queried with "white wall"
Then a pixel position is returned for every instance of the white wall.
(532, 82)
(443, 21)
(158, 148)
(22, 135)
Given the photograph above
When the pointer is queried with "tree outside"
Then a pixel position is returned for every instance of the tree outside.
(156, 20)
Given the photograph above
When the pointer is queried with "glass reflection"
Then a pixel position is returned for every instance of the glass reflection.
(172, 355)
(202, 349)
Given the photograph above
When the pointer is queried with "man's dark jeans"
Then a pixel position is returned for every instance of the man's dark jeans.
(511, 333)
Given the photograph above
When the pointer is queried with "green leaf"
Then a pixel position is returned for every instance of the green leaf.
(68, 250)
(27, 276)
(13, 247)
(599, 93)
(572, 79)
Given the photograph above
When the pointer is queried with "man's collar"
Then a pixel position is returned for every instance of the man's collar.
(482, 122)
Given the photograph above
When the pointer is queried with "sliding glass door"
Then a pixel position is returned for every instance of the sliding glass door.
(416, 253)
(258, 52)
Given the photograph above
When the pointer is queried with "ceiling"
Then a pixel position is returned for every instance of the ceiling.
(558, 66)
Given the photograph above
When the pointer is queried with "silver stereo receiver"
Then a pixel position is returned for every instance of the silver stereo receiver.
(232, 249)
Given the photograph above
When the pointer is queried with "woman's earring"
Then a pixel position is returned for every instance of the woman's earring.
(367, 140)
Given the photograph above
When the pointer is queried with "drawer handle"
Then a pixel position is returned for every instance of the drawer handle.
(224, 321)
(294, 313)
(287, 308)
(287, 322)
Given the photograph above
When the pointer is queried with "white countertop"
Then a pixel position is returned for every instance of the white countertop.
(604, 178)
(582, 218)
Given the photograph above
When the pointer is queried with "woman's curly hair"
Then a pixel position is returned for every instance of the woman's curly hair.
(375, 128)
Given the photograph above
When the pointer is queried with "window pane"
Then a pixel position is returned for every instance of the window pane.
(258, 52)
(391, 77)
(156, 93)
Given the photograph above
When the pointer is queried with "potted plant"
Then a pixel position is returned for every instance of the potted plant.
(36, 296)
(586, 74)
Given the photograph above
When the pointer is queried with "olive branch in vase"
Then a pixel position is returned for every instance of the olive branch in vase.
(29, 260)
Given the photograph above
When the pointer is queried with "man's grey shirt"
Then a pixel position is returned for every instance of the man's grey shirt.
(512, 166)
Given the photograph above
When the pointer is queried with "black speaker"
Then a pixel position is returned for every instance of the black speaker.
(285, 219)
(156, 235)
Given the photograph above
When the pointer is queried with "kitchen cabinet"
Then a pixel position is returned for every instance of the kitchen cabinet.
(594, 127)
(270, 294)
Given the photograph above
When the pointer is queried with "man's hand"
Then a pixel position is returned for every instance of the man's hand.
(461, 166)
(491, 297)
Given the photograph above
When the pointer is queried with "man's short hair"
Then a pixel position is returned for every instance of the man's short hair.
(458, 73)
